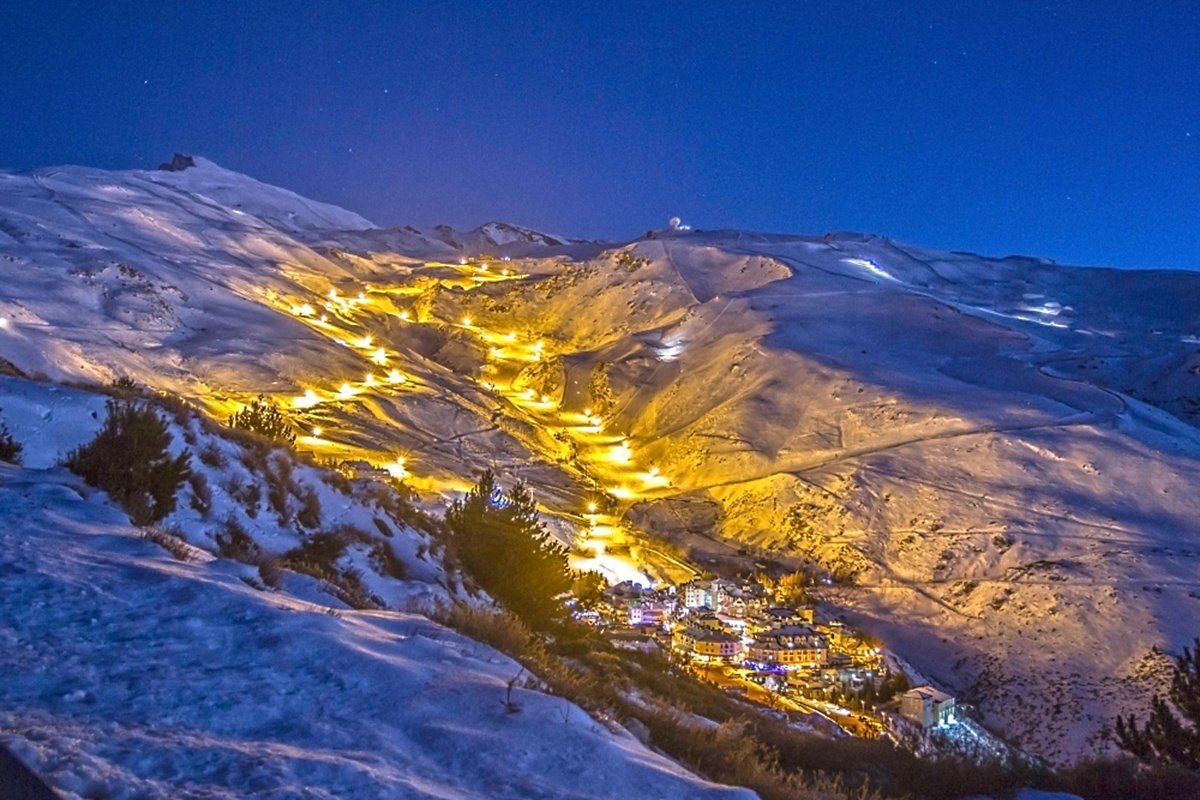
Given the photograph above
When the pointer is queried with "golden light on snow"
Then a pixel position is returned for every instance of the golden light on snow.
(364, 342)
(466, 321)
(379, 356)
(317, 430)
(396, 377)
(511, 336)
(333, 294)
(397, 468)
(621, 453)
(369, 380)
(361, 297)
(622, 493)
(306, 400)
(324, 319)
(404, 316)
(346, 390)
(545, 398)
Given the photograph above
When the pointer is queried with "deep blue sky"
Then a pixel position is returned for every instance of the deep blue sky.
(1067, 130)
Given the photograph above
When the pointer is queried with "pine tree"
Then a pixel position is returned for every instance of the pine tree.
(130, 461)
(1168, 737)
(499, 539)
(264, 418)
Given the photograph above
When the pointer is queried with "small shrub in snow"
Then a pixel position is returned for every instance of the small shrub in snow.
(322, 549)
(124, 387)
(264, 418)
(335, 480)
(385, 561)
(309, 515)
(278, 473)
(129, 460)
(248, 494)
(169, 539)
(235, 542)
(270, 572)
(382, 527)
(180, 410)
(211, 456)
(10, 448)
(202, 498)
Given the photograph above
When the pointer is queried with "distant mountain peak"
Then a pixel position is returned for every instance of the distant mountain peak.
(178, 163)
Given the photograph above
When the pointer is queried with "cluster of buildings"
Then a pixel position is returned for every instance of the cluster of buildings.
(739, 625)
(734, 623)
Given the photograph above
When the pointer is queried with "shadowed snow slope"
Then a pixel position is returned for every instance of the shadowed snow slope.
(995, 457)
(130, 675)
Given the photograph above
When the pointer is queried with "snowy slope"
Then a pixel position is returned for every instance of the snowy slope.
(131, 674)
(997, 453)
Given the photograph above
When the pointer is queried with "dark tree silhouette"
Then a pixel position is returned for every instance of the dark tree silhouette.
(129, 459)
(10, 448)
(264, 418)
(1171, 733)
(499, 539)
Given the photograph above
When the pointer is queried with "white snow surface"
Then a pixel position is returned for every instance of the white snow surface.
(1000, 453)
(128, 674)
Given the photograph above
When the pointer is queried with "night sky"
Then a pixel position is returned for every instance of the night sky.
(1066, 130)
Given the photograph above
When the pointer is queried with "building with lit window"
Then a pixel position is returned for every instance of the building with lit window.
(706, 645)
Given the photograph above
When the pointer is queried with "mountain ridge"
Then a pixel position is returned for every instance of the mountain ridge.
(994, 455)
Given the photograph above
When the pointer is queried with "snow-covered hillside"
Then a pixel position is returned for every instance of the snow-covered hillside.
(131, 674)
(994, 456)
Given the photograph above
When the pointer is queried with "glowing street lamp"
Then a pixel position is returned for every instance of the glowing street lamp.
(370, 379)
(380, 356)
(317, 430)
(395, 377)
(404, 316)
(346, 390)
(466, 321)
(364, 342)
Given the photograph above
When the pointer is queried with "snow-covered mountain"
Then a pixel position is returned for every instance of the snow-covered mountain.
(132, 674)
(992, 456)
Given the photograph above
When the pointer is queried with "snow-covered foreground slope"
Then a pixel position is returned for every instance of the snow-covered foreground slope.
(130, 674)
(996, 455)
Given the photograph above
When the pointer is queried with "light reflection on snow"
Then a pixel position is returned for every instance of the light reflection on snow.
(870, 266)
